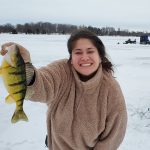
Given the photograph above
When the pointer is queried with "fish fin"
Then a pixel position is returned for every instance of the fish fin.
(19, 115)
(9, 99)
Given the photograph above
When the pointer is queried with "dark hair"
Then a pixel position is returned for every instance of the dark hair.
(84, 33)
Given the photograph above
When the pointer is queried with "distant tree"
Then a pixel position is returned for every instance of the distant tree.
(14, 31)
(20, 28)
(7, 28)
(29, 31)
(49, 28)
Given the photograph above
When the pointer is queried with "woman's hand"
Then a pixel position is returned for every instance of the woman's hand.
(26, 57)
(23, 51)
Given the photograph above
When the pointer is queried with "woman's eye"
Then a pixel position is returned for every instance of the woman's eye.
(78, 53)
(90, 52)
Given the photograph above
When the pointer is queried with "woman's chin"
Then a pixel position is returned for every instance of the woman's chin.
(86, 73)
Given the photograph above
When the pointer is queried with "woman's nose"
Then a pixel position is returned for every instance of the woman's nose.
(85, 56)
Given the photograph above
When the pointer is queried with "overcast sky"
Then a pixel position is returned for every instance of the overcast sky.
(124, 14)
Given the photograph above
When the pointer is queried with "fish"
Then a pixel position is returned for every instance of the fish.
(13, 73)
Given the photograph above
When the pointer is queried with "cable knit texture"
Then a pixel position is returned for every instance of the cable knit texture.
(87, 115)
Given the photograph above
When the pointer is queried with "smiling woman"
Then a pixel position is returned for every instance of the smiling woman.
(85, 57)
(86, 107)
(87, 50)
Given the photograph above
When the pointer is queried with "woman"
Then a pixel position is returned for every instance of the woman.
(86, 107)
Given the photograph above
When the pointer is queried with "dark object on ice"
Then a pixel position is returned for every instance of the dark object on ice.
(144, 39)
(46, 141)
(129, 41)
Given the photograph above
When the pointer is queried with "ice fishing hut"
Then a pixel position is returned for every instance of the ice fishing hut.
(144, 39)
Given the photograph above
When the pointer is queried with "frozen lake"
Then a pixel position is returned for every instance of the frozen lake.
(132, 70)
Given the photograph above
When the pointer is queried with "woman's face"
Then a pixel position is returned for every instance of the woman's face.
(85, 57)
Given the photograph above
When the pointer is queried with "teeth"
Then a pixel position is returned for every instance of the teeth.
(85, 65)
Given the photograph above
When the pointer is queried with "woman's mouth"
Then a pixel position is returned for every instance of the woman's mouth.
(86, 65)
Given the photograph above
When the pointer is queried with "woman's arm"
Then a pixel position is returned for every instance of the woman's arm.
(46, 83)
(43, 84)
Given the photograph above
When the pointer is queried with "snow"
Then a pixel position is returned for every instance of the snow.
(132, 63)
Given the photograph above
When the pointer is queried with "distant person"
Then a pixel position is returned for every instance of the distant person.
(86, 107)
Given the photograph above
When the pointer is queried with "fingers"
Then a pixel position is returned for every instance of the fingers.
(4, 48)
(7, 45)
(3, 52)
(23, 51)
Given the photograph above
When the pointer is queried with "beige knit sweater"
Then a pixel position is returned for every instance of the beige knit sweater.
(81, 115)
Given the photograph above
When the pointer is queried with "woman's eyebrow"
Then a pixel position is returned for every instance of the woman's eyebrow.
(77, 49)
(90, 48)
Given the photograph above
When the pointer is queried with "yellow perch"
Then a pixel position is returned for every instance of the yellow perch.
(14, 77)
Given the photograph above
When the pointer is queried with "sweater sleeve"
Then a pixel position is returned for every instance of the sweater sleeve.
(116, 121)
(48, 81)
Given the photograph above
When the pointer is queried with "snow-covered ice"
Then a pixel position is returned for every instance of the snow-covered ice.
(132, 70)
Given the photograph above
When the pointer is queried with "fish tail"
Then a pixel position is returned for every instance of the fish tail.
(19, 115)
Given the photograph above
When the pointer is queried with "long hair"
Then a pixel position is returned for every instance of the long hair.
(84, 33)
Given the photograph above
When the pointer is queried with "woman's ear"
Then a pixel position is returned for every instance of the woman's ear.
(100, 59)
(70, 59)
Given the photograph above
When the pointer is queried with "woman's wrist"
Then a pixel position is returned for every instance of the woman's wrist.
(30, 73)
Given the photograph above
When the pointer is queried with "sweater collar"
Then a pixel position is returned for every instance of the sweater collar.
(92, 83)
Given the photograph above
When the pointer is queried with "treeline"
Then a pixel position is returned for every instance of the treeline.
(49, 28)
